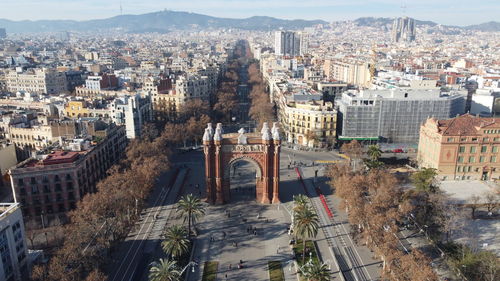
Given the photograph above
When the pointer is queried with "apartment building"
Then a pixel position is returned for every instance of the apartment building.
(51, 183)
(393, 115)
(348, 71)
(461, 148)
(39, 81)
(13, 248)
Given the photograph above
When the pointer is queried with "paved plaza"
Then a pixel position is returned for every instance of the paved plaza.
(242, 230)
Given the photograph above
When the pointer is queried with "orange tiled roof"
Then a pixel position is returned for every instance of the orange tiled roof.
(466, 125)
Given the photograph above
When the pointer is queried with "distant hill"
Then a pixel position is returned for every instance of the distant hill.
(487, 26)
(380, 22)
(158, 21)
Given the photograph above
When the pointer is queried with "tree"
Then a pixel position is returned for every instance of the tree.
(316, 271)
(374, 152)
(300, 202)
(96, 275)
(191, 208)
(474, 201)
(176, 242)
(353, 150)
(164, 270)
(424, 180)
(491, 200)
(306, 226)
(227, 104)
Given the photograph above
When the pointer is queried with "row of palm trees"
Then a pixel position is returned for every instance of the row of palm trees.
(305, 227)
(177, 241)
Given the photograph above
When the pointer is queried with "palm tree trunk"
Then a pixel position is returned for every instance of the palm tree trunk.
(189, 225)
(303, 251)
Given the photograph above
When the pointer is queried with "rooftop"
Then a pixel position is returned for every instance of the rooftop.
(7, 208)
(466, 124)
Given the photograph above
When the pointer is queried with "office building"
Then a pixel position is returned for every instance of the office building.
(393, 115)
(403, 30)
(461, 148)
(13, 249)
(3, 33)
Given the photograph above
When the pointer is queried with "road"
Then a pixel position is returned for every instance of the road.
(355, 261)
(145, 236)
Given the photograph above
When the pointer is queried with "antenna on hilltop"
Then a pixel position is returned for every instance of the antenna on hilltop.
(403, 8)
(121, 9)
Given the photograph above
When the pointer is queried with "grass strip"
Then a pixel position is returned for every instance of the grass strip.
(275, 271)
(210, 271)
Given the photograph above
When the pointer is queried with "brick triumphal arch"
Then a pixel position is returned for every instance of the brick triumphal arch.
(222, 150)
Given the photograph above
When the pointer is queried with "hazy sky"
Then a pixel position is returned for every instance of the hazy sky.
(453, 12)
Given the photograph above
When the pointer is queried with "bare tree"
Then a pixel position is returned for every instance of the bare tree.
(474, 201)
(492, 201)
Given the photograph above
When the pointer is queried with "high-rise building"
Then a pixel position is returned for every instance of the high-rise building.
(290, 43)
(3, 33)
(403, 30)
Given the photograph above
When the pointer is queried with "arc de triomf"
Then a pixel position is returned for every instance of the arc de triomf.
(223, 150)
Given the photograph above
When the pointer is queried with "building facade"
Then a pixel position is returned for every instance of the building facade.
(393, 115)
(461, 148)
(289, 43)
(13, 248)
(39, 81)
(51, 184)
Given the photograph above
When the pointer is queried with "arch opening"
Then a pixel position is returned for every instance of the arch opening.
(243, 175)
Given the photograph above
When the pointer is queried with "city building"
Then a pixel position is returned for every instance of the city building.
(289, 43)
(462, 148)
(353, 72)
(133, 112)
(3, 33)
(13, 248)
(50, 183)
(393, 115)
(8, 159)
(101, 82)
(38, 81)
(403, 30)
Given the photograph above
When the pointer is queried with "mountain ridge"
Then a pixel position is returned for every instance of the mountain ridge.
(164, 21)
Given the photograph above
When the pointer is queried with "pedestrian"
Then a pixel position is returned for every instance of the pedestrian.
(226, 276)
(230, 266)
(255, 232)
(241, 261)
(224, 234)
(278, 250)
(236, 244)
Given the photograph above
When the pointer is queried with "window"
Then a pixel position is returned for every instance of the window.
(481, 159)
(463, 139)
(460, 159)
(469, 168)
(450, 139)
(20, 182)
(486, 139)
(474, 139)
(484, 149)
(472, 149)
(493, 159)
(461, 149)
(459, 169)
(494, 149)
(496, 139)
(472, 159)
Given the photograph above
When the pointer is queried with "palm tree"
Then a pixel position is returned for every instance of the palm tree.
(164, 270)
(316, 271)
(300, 202)
(176, 242)
(191, 208)
(306, 226)
(374, 152)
